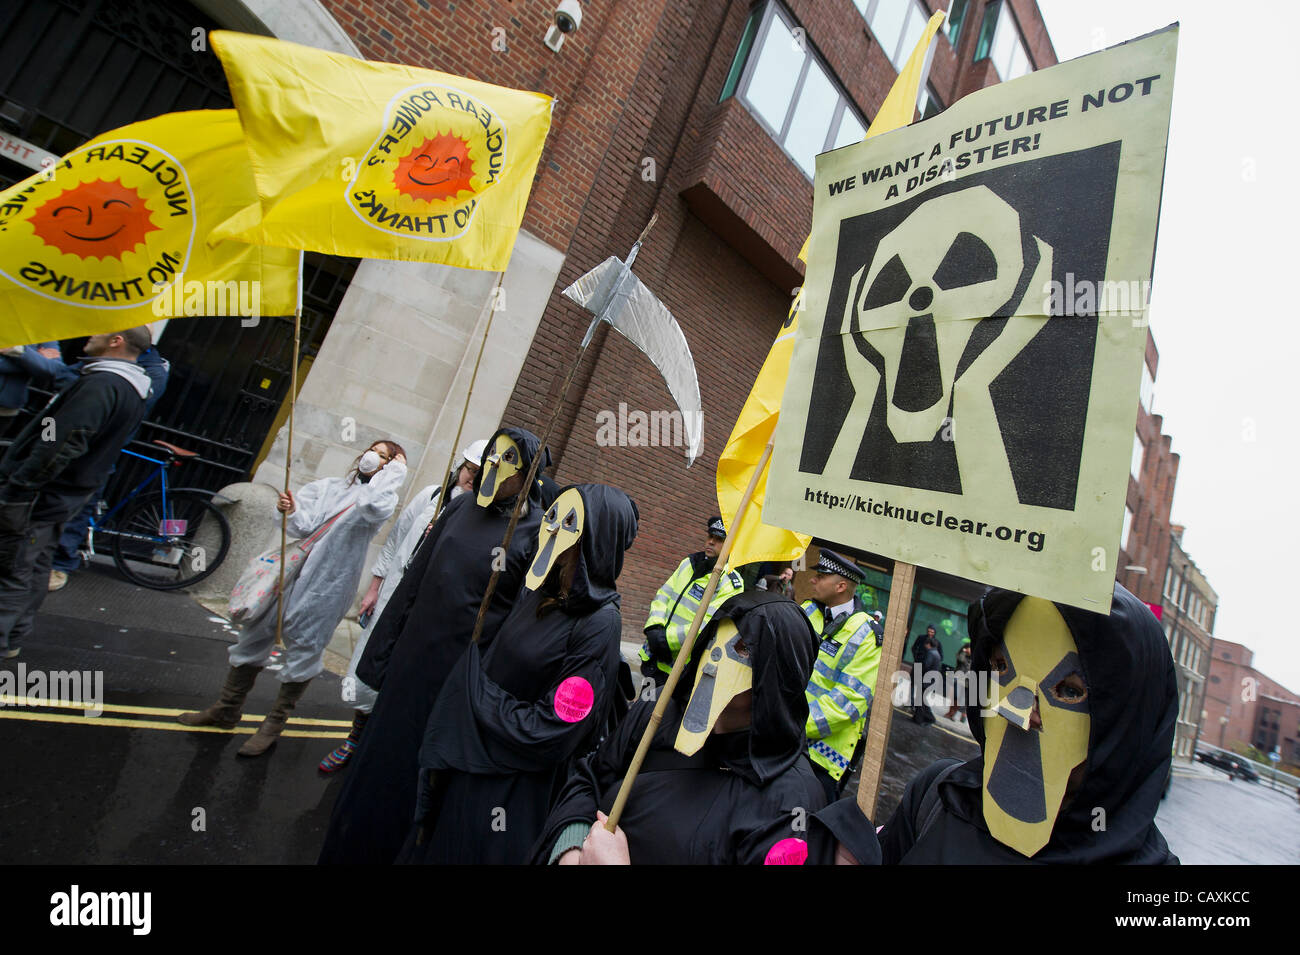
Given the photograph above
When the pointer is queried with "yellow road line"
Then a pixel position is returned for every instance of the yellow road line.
(6, 700)
(157, 725)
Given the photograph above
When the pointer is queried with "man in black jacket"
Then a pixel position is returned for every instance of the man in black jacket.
(56, 463)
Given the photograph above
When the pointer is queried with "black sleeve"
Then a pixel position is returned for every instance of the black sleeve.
(593, 778)
(373, 665)
(81, 413)
(899, 834)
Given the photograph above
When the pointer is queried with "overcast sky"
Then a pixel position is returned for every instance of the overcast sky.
(1221, 315)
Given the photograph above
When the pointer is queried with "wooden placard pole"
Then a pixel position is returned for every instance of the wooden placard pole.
(679, 665)
(288, 456)
(882, 708)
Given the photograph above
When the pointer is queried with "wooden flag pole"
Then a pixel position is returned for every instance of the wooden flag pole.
(882, 709)
(679, 665)
(288, 456)
(455, 445)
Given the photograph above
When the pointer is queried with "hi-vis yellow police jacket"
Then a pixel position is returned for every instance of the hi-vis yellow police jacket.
(676, 604)
(839, 693)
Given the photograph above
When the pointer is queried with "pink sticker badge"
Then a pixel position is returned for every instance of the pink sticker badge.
(787, 852)
(574, 699)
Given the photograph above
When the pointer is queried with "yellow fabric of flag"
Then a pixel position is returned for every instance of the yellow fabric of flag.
(754, 540)
(381, 160)
(115, 233)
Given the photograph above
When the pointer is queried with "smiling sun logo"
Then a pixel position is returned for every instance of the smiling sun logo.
(439, 150)
(95, 219)
(439, 168)
(108, 227)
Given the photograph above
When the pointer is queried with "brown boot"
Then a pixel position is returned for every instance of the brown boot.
(226, 712)
(273, 725)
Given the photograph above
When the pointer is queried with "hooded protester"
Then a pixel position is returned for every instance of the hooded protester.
(726, 779)
(511, 717)
(1083, 729)
(424, 630)
(54, 466)
(353, 507)
(386, 574)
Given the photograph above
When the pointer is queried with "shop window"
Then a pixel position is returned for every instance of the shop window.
(789, 90)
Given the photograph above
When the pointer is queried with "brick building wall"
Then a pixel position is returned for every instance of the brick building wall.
(1150, 498)
(1234, 696)
(637, 82)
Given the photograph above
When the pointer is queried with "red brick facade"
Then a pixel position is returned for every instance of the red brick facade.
(641, 81)
(1150, 498)
(1245, 707)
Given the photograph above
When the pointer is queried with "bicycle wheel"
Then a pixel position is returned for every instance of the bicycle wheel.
(171, 548)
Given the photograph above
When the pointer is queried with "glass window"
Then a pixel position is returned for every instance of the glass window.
(929, 103)
(791, 92)
(1148, 388)
(812, 117)
(1139, 451)
(1128, 524)
(1000, 41)
(896, 25)
(851, 131)
(775, 75)
(956, 17)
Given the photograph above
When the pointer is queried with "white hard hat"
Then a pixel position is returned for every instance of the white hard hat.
(473, 454)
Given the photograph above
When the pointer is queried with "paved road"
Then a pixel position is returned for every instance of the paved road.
(124, 787)
(1208, 820)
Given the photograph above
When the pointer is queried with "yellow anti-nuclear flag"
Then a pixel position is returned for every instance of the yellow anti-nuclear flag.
(114, 234)
(381, 160)
(754, 540)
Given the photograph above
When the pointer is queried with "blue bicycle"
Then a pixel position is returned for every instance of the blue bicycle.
(164, 538)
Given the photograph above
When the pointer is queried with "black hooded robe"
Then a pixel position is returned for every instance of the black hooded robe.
(416, 642)
(498, 746)
(1133, 703)
(745, 797)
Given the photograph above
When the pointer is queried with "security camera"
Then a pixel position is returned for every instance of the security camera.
(568, 16)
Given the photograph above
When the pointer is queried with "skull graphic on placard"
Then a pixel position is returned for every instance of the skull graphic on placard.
(955, 260)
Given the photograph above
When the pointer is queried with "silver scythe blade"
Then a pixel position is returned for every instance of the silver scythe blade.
(614, 294)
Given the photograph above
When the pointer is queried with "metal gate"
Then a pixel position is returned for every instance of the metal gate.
(72, 69)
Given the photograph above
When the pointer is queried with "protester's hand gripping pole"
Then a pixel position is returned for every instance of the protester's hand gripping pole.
(522, 498)
(288, 457)
(683, 652)
(882, 710)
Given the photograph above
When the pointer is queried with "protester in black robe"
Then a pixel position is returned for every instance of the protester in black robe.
(745, 796)
(422, 633)
(1133, 702)
(510, 718)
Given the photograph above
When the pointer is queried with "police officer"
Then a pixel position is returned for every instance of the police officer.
(844, 676)
(678, 601)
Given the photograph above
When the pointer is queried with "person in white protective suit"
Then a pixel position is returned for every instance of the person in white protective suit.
(402, 542)
(355, 506)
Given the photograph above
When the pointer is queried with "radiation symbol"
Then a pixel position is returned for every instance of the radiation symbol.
(110, 228)
(439, 151)
(954, 261)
